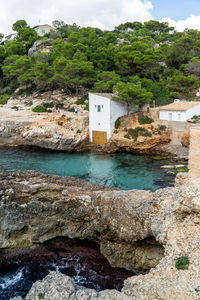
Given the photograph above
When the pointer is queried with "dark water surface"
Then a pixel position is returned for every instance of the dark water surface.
(121, 170)
(81, 260)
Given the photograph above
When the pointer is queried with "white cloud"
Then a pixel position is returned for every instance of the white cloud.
(105, 14)
(192, 22)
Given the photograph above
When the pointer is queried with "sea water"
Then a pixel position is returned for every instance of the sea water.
(121, 170)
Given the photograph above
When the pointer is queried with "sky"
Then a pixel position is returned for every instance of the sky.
(105, 14)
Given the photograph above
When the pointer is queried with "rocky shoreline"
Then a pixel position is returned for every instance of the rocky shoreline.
(20, 126)
(136, 230)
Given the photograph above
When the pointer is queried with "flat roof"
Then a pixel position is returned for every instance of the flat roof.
(105, 95)
(180, 106)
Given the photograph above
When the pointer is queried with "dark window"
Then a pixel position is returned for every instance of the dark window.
(98, 108)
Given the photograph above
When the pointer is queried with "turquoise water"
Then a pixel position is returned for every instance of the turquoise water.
(122, 170)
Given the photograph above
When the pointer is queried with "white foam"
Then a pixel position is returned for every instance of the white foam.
(12, 279)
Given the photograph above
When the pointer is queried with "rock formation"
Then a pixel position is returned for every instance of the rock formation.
(58, 286)
(135, 229)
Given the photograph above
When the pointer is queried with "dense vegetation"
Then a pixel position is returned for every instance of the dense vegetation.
(145, 62)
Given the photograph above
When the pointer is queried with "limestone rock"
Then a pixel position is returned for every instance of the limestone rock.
(57, 286)
(135, 229)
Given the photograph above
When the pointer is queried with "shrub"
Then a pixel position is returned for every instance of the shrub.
(39, 108)
(63, 116)
(117, 123)
(49, 110)
(182, 263)
(71, 109)
(115, 131)
(60, 123)
(78, 131)
(125, 129)
(138, 131)
(162, 127)
(127, 136)
(4, 98)
(40, 296)
(145, 120)
(48, 105)
(81, 100)
(14, 107)
(69, 119)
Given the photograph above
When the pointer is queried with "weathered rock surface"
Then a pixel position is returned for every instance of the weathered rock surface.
(19, 126)
(145, 140)
(57, 286)
(44, 46)
(35, 208)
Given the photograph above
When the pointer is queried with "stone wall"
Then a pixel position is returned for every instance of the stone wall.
(194, 153)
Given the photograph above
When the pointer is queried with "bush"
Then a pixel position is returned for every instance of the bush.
(182, 263)
(162, 127)
(41, 296)
(71, 109)
(48, 105)
(127, 136)
(195, 118)
(4, 98)
(69, 119)
(117, 123)
(145, 120)
(39, 108)
(14, 107)
(134, 133)
(115, 131)
(60, 123)
(81, 100)
(63, 116)
(78, 131)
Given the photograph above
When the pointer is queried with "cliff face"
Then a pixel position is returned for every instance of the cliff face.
(135, 229)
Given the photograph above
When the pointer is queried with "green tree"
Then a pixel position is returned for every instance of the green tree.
(14, 48)
(18, 68)
(106, 81)
(25, 33)
(132, 95)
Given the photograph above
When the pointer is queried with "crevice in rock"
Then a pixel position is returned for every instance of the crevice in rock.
(81, 260)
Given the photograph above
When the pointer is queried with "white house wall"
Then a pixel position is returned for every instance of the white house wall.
(117, 110)
(176, 115)
(99, 121)
(192, 112)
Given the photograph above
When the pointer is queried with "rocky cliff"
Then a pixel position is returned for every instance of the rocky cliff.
(137, 230)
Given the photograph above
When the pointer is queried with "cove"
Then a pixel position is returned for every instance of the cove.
(120, 170)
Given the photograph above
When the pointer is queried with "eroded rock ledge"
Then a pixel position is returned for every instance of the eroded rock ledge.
(37, 207)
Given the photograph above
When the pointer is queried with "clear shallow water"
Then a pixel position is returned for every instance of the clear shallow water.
(122, 170)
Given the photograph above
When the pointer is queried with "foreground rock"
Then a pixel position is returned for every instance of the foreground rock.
(58, 286)
(132, 227)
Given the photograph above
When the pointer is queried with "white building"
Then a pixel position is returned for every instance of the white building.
(43, 29)
(179, 111)
(103, 112)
